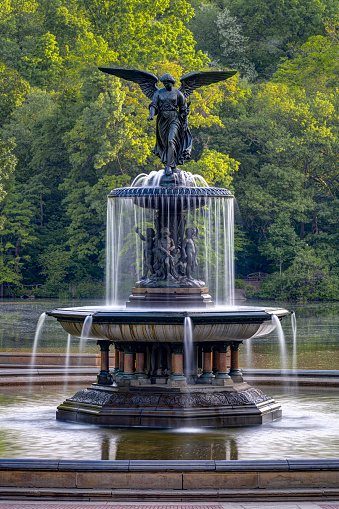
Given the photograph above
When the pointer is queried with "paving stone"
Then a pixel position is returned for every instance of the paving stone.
(81, 505)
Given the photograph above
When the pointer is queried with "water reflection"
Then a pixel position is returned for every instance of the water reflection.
(200, 445)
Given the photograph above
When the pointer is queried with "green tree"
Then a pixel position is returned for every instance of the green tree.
(7, 164)
(313, 66)
(219, 35)
(142, 32)
(16, 234)
(13, 90)
(272, 26)
(216, 168)
(282, 242)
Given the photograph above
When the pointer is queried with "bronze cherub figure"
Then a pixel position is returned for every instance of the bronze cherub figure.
(173, 137)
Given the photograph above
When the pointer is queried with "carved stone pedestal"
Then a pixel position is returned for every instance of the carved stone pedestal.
(177, 297)
(170, 407)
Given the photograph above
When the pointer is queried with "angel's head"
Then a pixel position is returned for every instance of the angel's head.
(168, 80)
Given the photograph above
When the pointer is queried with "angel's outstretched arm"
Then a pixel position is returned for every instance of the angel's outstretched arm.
(152, 112)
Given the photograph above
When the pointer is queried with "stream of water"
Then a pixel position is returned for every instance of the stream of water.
(188, 346)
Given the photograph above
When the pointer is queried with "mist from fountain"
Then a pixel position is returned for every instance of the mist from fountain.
(154, 179)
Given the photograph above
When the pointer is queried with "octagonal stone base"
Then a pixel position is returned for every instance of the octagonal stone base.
(170, 407)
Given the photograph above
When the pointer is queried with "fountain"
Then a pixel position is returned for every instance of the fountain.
(170, 241)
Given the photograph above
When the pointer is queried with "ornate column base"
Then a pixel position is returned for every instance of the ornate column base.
(104, 376)
(223, 382)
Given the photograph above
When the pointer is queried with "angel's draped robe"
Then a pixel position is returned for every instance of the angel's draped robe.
(173, 138)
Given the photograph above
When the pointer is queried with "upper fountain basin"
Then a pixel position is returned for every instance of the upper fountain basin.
(180, 198)
(118, 325)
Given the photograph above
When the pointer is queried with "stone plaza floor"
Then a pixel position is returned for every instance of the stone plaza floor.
(19, 504)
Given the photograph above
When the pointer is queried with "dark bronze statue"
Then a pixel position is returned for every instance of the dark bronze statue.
(189, 251)
(173, 138)
(148, 251)
(166, 252)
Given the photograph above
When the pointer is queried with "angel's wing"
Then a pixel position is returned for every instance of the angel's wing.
(195, 80)
(145, 80)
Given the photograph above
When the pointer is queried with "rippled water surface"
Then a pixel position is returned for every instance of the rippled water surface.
(308, 429)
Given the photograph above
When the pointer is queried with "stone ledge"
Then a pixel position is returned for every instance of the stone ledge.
(306, 465)
(180, 477)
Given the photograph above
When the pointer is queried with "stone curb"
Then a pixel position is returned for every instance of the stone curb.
(170, 465)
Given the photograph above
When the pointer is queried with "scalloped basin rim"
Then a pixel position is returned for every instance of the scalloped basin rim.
(170, 192)
(102, 315)
(120, 326)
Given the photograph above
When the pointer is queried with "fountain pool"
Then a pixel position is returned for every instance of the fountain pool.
(308, 429)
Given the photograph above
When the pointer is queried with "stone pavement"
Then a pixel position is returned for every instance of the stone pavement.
(163, 505)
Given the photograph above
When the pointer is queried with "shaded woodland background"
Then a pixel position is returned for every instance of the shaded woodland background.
(69, 134)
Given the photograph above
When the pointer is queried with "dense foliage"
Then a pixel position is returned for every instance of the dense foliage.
(69, 134)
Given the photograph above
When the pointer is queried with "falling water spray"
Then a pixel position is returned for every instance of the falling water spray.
(282, 344)
(294, 332)
(188, 346)
(68, 349)
(85, 334)
(38, 330)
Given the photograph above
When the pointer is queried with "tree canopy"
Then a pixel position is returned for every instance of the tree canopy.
(69, 133)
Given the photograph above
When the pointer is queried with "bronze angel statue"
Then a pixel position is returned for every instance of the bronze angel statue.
(173, 137)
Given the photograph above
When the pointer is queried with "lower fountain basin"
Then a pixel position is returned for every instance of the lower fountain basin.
(227, 324)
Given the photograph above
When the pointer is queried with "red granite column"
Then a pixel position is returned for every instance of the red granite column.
(104, 376)
(235, 372)
(215, 361)
(207, 373)
(140, 365)
(178, 364)
(177, 377)
(222, 373)
(128, 373)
